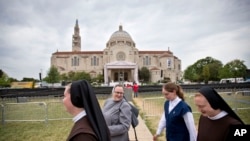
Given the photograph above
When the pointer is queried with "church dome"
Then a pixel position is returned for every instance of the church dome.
(121, 36)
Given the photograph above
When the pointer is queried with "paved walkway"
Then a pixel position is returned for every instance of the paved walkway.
(142, 131)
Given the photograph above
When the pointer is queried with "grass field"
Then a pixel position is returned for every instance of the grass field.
(51, 129)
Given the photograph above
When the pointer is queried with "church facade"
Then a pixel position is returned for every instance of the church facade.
(119, 61)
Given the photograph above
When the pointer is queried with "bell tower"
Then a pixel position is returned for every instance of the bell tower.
(76, 39)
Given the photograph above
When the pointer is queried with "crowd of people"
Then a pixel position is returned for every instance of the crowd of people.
(113, 120)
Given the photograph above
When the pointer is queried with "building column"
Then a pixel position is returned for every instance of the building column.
(105, 74)
(132, 75)
(136, 74)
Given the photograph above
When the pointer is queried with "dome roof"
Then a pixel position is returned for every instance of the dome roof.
(120, 35)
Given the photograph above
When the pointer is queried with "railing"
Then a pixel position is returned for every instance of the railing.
(28, 111)
(239, 101)
(50, 107)
(38, 108)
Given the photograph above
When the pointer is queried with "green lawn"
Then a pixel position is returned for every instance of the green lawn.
(50, 129)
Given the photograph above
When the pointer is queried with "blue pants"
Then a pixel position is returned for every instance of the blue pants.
(135, 94)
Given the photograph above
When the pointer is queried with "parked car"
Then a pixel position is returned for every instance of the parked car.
(247, 81)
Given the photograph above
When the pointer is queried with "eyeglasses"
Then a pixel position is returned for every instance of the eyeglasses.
(119, 92)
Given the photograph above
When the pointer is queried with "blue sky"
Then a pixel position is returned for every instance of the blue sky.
(32, 30)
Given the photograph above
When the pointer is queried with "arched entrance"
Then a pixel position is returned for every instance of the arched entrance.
(121, 76)
(120, 71)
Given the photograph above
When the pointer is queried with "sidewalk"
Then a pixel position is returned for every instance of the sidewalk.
(142, 131)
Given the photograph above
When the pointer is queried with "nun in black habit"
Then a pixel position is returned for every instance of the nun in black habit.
(89, 123)
(216, 116)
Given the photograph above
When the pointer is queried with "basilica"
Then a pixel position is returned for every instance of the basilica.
(119, 61)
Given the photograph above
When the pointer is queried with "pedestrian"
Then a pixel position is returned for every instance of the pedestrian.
(135, 89)
(216, 115)
(177, 117)
(117, 114)
(89, 123)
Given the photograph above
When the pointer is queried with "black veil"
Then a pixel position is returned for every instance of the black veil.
(217, 102)
(82, 96)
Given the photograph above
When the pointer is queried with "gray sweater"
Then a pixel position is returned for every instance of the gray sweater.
(118, 118)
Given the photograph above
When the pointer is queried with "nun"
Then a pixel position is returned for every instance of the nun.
(89, 123)
(117, 114)
(216, 116)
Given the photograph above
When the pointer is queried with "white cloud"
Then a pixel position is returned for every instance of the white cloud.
(32, 30)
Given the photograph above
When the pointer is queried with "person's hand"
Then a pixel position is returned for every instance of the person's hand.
(155, 137)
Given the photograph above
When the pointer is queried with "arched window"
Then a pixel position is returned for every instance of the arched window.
(147, 61)
(75, 61)
(94, 61)
(168, 63)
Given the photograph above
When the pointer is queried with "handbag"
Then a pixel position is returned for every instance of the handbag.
(134, 117)
(135, 113)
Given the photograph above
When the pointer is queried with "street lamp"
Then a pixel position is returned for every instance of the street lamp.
(235, 74)
(41, 77)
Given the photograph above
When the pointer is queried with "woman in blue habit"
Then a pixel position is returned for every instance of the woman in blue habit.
(177, 117)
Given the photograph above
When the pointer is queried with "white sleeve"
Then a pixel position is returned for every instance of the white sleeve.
(161, 125)
(189, 120)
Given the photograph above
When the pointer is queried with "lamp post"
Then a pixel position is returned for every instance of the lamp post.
(235, 74)
(41, 78)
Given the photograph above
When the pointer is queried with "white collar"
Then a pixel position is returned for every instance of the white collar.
(174, 102)
(218, 116)
(79, 116)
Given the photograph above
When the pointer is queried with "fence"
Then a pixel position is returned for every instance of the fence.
(239, 101)
(38, 108)
(47, 108)
(29, 111)
(33, 111)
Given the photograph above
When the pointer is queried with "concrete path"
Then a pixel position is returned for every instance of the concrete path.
(142, 131)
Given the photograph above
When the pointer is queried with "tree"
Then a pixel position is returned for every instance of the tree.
(64, 77)
(144, 74)
(4, 80)
(82, 75)
(74, 76)
(53, 75)
(210, 63)
(224, 72)
(205, 73)
(25, 79)
(196, 72)
(214, 69)
(189, 73)
(71, 75)
(1, 73)
(99, 78)
(233, 69)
